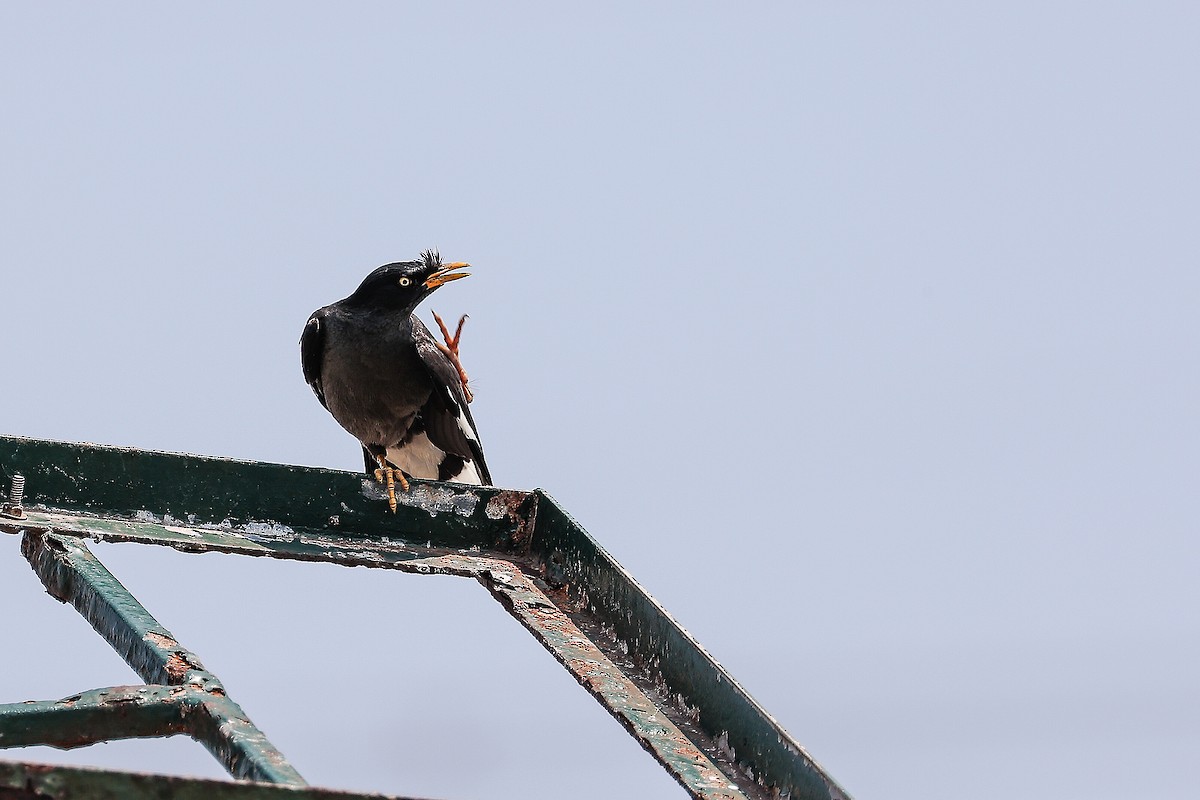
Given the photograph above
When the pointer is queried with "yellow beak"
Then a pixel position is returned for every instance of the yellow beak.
(446, 274)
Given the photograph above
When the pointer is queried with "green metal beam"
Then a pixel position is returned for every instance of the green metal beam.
(698, 690)
(72, 574)
(100, 715)
(254, 496)
(23, 781)
(617, 641)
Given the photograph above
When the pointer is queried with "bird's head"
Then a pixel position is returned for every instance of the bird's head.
(404, 284)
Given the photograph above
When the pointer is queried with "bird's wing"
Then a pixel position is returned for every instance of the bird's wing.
(445, 416)
(312, 352)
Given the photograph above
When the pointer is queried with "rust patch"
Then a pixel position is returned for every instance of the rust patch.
(178, 665)
(160, 640)
(561, 597)
(605, 680)
(509, 505)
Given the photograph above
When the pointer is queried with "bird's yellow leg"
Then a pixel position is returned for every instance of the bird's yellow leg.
(388, 476)
(450, 348)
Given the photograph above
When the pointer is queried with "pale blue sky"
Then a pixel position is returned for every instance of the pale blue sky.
(863, 335)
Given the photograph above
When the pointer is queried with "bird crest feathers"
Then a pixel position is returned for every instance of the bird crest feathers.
(432, 259)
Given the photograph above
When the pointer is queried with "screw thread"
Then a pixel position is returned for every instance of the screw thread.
(17, 492)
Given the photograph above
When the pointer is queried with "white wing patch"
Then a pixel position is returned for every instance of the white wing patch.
(463, 425)
(419, 458)
(469, 474)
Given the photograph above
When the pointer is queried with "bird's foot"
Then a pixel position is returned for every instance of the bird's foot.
(388, 475)
(450, 348)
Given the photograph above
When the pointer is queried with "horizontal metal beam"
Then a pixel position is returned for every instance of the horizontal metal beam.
(24, 781)
(255, 496)
(99, 715)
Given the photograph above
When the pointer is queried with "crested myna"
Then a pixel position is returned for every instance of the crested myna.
(387, 381)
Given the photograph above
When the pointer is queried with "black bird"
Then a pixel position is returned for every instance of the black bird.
(389, 383)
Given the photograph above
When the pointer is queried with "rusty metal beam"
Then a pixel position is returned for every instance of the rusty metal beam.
(695, 691)
(23, 781)
(72, 574)
(617, 641)
(254, 496)
(99, 715)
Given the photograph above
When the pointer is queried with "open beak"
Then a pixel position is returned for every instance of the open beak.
(446, 274)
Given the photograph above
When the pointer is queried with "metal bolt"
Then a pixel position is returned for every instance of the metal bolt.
(16, 493)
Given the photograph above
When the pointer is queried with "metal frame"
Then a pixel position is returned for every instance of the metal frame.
(592, 616)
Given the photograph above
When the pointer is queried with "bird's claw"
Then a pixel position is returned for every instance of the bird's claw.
(450, 349)
(388, 476)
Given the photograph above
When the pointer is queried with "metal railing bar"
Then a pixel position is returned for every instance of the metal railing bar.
(203, 490)
(26, 781)
(71, 574)
(605, 680)
(98, 715)
(698, 692)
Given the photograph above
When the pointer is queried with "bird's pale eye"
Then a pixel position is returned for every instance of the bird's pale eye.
(404, 281)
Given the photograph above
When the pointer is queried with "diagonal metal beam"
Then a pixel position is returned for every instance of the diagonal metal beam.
(696, 691)
(72, 574)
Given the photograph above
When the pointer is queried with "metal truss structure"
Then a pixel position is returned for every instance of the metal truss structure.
(528, 553)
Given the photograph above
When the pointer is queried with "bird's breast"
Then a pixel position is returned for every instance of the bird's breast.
(373, 377)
